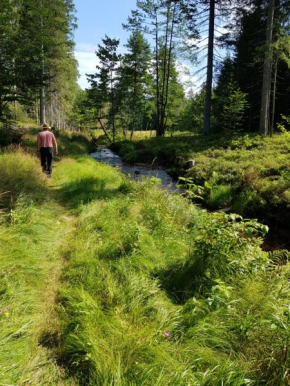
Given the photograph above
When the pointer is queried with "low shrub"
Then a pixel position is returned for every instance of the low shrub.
(244, 163)
(10, 134)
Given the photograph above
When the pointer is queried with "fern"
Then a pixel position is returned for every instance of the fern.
(278, 258)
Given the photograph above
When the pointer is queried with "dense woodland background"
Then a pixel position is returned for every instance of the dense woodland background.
(237, 48)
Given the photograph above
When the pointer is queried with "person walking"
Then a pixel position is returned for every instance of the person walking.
(46, 142)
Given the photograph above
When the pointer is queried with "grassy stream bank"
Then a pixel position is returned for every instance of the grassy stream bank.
(247, 174)
(110, 282)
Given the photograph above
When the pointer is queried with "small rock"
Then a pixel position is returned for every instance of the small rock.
(190, 164)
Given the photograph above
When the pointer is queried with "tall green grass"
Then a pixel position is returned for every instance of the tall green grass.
(20, 175)
(251, 172)
(158, 293)
(111, 282)
(33, 232)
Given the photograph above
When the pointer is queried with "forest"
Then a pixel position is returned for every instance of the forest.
(110, 279)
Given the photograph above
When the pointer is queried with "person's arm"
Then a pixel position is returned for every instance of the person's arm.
(54, 144)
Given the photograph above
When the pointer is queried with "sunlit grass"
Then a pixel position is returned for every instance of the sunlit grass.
(104, 281)
(251, 172)
(32, 238)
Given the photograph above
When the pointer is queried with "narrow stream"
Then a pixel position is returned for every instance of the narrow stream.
(276, 239)
(136, 171)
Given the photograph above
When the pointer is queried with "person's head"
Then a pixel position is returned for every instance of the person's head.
(45, 126)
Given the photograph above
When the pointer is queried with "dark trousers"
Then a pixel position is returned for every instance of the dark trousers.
(46, 154)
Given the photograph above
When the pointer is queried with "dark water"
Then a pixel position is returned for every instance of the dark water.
(136, 171)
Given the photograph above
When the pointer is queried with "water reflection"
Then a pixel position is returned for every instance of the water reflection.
(136, 171)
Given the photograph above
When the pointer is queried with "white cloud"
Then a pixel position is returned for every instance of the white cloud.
(86, 57)
(85, 54)
(190, 82)
(86, 47)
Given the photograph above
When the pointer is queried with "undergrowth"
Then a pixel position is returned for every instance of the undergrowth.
(108, 282)
(157, 292)
(248, 173)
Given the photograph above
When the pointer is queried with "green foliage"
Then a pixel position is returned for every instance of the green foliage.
(232, 171)
(281, 126)
(152, 290)
(191, 117)
(191, 190)
(229, 101)
(156, 292)
(103, 91)
(37, 54)
(10, 134)
(135, 82)
(220, 195)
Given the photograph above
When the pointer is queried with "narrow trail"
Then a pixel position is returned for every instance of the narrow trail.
(36, 241)
(43, 368)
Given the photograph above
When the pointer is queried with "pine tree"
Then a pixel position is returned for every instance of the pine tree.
(104, 84)
(8, 52)
(208, 11)
(45, 60)
(135, 79)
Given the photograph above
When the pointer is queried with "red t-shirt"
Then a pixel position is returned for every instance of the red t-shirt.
(46, 138)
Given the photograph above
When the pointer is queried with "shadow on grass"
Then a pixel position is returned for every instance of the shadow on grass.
(183, 280)
(82, 191)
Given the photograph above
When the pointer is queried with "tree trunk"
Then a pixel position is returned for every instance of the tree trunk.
(266, 87)
(36, 112)
(1, 106)
(42, 106)
(274, 99)
(165, 61)
(104, 130)
(207, 109)
(158, 133)
(42, 90)
(169, 63)
(113, 108)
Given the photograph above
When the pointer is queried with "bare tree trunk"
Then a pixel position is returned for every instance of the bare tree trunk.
(266, 87)
(169, 63)
(36, 112)
(274, 99)
(165, 60)
(104, 130)
(157, 78)
(42, 106)
(51, 111)
(42, 89)
(113, 108)
(207, 109)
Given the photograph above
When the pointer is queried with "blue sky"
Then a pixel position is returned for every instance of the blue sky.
(95, 19)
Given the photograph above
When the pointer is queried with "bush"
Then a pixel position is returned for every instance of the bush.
(10, 134)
